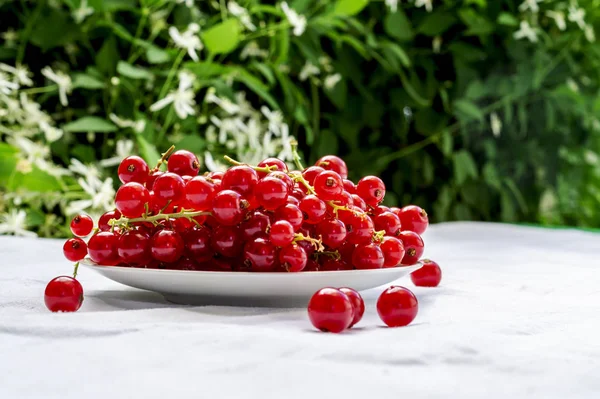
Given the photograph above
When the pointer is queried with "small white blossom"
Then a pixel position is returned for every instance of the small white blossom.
(6, 85)
(577, 15)
(392, 4)
(559, 19)
(571, 84)
(526, 31)
(275, 119)
(332, 80)
(590, 34)
(428, 4)
(286, 141)
(530, 5)
(32, 114)
(158, 20)
(137, 126)
(65, 85)
(124, 148)
(245, 108)
(228, 125)
(182, 98)
(21, 73)
(242, 14)
(213, 165)
(34, 152)
(325, 63)
(226, 104)
(297, 21)
(188, 40)
(308, 70)
(495, 124)
(89, 172)
(82, 12)
(252, 50)
(188, 3)
(10, 37)
(15, 223)
(23, 166)
(51, 133)
(253, 129)
(101, 196)
(12, 108)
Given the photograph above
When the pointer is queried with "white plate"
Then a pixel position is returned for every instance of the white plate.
(245, 288)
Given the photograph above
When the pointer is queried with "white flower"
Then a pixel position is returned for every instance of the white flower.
(559, 18)
(20, 72)
(392, 4)
(275, 119)
(188, 40)
(226, 104)
(137, 126)
(577, 15)
(530, 5)
(101, 196)
(10, 37)
(590, 35)
(309, 69)
(89, 172)
(81, 13)
(242, 14)
(235, 126)
(428, 4)
(124, 148)
(526, 31)
(213, 165)
(32, 114)
(571, 84)
(297, 21)
(34, 152)
(158, 20)
(65, 85)
(244, 105)
(253, 129)
(332, 80)
(286, 141)
(188, 3)
(252, 50)
(436, 44)
(12, 109)
(182, 98)
(51, 133)
(6, 86)
(15, 223)
(23, 166)
(495, 124)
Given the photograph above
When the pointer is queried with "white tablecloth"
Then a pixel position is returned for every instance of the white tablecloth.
(517, 316)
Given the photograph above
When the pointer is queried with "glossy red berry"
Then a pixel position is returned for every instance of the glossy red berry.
(349, 186)
(387, 222)
(152, 178)
(413, 247)
(281, 233)
(328, 185)
(344, 199)
(429, 275)
(281, 166)
(82, 225)
(228, 207)
(75, 249)
(313, 209)
(414, 218)
(393, 251)
(256, 225)
(63, 294)
(371, 189)
(290, 213)
(132, 199)
(133, 169)
(184, 264)
(359, 228)
(199, 194)
(328, 264)
(103, 222)
(337, 164)
(311, 173)
(359, 202)
(133, 248)
(368, 256)
(240, 178)
(397, 306)
(271, 193)
(198, 244)
(183, 162)
(166, 246)
(332, 232)
(102, 248)
(330, 310)
(168, 188)
(260, 255)
(293, 258)
(227, 241)
(358, 304)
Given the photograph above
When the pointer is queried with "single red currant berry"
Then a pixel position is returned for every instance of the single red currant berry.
(414, 218)
(371, 189)
(360, 229)
(328, 185)
(358, 305)
(102, 248)
(281, 233)
(227, 241)
(413, 247)
(332, 232)
(313, 209)
(271, 193)
(240, 178)
(429, 275)
(281, 166)
(132, 199)
(290, 213)
(293, 258)
(183, 162)
(367, 256)
(311, 266)
(308, 247)
(330, 310)
(166, 246)
(349, 186)
(331, 264)
(260, 255)
(168, 188)
(63, 294)
(228, 207)
(337, 164)
(103, 222)
(393, 251)
(133, 248)
(397, 306)
(197, 244)
(75, 249)
(256, 225)
(82, 225)
(359, 202)
(388, 222)
(344, 199)
(379, 209)
(133, 169)
(152, 178)
(199, 194)
(311, 173)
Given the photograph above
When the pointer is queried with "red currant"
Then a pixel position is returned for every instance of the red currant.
(168, 188)
(371, 189)
(75, 249)
(197, 244)
(344, 199)
(132, 199)
(397, 306)
(332, 232)
(367, 256)
(331, 264)
(184, 264)
(255, 226)
(330, 310)
(82, 225)
(429, 275)
(290, 213)
(313, 209)
(228, 207)
(133, 248)
(359, 229)
(311, 173)
(281, 166)
(152, 178)
(328, 185)
(199, 194)
(414, 218)
(281, 233)
(271, 193)
(293, 258)
(241, 178)
(358, 304)
(308, 247)
(311, 266)
(133, 169)
(393, 251)
(349, 186)
(413, 247)
(103, 224)
(183, 162)
(166, 246)
(227, 241)
(359, 202)
(337, 164)
(260, 255)
(388, 222)
(63, 294)
(102, 248)
(285, 178)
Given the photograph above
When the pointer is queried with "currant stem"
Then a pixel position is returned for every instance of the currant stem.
(378, 235)
(295, 155)
(300, 179)
(164, 157)
(263, 169)
(75, 269)
(317, 243)
(123, 221)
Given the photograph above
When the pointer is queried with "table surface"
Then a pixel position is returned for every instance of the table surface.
(516, 315)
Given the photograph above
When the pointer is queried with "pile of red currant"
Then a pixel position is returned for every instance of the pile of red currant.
(262, 218)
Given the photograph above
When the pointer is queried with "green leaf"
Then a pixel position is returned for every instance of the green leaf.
(283, 46)
(256, 86)
(147, 150)
(264, 71)
(338, 93)
(35, 181)
(193, 143)
(8, 162)
(507, 19)
(156, 55)
(398, 26)
(349, 7)
(466, 110)
(393, 52)
(428, 121)
(108, 56)
(54, 29)
(90, 124)
(133, 72)
(436, 23)
(477, 23)
(490, 175)
(85, 81)
(222, 38)
(464, 166)
(327, 143)
(207, 70)
(447, 143)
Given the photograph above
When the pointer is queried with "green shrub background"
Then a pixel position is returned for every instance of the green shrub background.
(475, 110)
